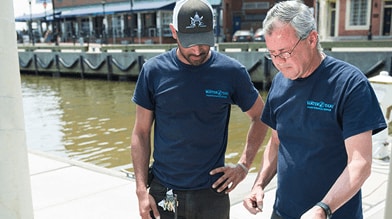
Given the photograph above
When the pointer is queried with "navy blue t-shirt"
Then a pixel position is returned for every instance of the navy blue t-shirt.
(191, 106)
(313, 116)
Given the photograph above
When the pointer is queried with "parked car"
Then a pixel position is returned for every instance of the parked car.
(259, 35)
(243, 36)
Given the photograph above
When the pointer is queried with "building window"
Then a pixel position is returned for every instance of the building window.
(116, 29)
(150, 20)
(166, 20)
(357, 14)
(85, 27)
(256, 5)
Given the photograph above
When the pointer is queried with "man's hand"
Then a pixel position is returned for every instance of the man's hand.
(254, 202)
(146, 205)
(232, 176)
(314, 213)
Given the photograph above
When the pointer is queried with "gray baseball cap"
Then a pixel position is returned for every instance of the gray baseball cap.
(194, 22)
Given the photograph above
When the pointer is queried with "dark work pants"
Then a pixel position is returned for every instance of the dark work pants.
(193, 204)
(275, 216)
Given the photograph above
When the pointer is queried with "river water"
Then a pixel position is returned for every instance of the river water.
(92, 120)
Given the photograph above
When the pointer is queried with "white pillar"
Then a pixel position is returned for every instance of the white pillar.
(159, 26)
(91, 27)
(122, 26)
(323, 22)
(139, 26)
(388, 203)
(15, 191)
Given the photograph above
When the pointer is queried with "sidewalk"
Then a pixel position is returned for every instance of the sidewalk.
(65, 189)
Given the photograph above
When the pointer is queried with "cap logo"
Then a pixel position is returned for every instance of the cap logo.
(196, 21)
(193, 21)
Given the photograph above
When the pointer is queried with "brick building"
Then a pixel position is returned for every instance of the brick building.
(147, 21)
(246, 14)
(357, 19)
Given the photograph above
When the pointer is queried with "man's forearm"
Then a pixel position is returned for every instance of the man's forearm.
(140, 159)
(347, 185)
(269, 163)
(255, 137)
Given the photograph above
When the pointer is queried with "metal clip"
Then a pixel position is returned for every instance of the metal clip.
(170, 202)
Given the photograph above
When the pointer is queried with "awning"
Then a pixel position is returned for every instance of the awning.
(108, 8)
(39, 16)
(117, 8)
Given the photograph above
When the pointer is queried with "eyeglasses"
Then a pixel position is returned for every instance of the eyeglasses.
(285, 55)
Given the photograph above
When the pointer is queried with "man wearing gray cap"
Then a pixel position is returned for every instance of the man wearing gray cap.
(186, 95)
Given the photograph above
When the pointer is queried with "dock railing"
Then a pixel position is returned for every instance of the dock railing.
(117, 61)
(223, 47)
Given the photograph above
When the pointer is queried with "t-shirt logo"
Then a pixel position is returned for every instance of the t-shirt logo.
(196, 21)
(319, 105)
(216, 93)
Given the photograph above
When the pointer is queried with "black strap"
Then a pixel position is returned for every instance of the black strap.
(326, 209)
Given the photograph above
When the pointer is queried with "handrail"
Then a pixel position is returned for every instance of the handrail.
(328, 45)
(243, 47)
(53, 48)
(134, 47)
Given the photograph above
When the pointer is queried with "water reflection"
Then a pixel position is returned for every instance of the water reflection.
(91, 120)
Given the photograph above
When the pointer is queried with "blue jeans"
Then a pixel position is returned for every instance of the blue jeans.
(193, 204)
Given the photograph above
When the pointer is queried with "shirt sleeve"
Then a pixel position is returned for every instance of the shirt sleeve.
(142, 94)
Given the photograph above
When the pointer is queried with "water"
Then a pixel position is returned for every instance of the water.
(84, 120)
(92, 120)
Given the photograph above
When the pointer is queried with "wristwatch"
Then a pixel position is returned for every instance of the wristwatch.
(326, 209)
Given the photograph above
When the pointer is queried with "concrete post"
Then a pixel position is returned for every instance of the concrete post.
(15, 189)
(382, 85)
(388, 203)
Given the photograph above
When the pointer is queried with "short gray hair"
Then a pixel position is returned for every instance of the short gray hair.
(295, 13)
